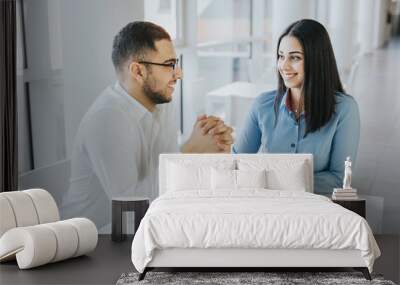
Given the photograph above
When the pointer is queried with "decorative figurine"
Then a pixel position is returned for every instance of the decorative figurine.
(347, 174)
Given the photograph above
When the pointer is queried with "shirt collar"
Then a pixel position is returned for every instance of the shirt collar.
(140, 110)
(284, 105)
(283, 101)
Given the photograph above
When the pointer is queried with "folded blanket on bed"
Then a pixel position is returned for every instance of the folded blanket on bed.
(252, 218)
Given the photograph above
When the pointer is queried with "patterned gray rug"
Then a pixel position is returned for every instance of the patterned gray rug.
(229, 278)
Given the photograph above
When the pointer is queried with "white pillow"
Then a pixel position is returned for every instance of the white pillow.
(226, 179)
(293, 179)
(281, 174)
(223, 179)
(193, 173)
(185, 177)
(251, 178)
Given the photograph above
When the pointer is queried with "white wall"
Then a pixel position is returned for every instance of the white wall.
(285, 12)
(44, 87)
(365, 32)
(24, 163)
(69, 63)
(88, 29)
(342, 31)
(380, 32)
(190, 65)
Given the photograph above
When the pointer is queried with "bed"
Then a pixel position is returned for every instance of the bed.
(245, 211)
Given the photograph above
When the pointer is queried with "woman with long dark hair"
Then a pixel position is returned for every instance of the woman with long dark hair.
(309, 112)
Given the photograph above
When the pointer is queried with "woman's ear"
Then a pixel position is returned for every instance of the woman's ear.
(137, 72)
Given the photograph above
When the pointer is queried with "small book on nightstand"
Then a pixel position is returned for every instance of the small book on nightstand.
(344, 194)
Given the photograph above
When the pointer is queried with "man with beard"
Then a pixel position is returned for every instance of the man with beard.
(121, 136)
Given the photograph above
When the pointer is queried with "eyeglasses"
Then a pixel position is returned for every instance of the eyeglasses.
(173, 65)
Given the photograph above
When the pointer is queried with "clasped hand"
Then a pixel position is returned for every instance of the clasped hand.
(209, 135)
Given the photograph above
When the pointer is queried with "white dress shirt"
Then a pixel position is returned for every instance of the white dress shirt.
(116, 154)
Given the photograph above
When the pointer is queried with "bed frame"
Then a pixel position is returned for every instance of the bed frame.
(248, 259)
(244, 259)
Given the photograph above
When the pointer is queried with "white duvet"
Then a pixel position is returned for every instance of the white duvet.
(252, 218)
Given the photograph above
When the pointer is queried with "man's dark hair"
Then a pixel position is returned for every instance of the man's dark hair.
(134, 40)
(321, 76)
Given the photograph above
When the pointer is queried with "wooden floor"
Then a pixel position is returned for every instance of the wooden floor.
(102, 266)
(389, 262)
(111, 259)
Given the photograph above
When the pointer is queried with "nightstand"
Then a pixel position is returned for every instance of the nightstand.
(139, 205)
(356, 205)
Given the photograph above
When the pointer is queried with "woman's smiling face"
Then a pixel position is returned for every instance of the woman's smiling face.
(291, 62)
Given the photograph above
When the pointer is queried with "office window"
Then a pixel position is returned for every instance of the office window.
(223, 20)
(165, 13)
(223, 33)
(268, 60)
(220, 65)
(267, 27)
(164, 6)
